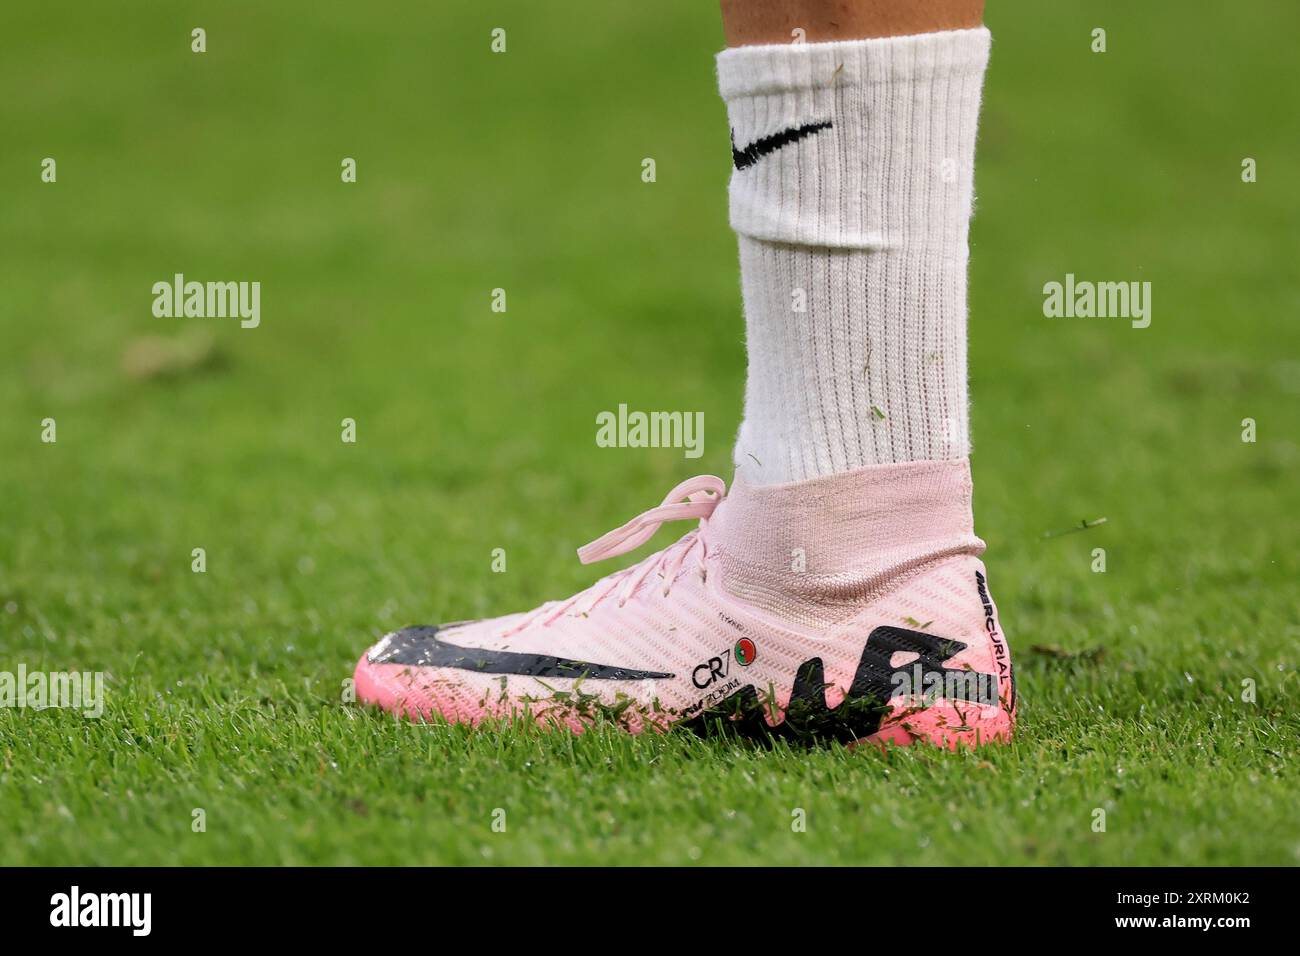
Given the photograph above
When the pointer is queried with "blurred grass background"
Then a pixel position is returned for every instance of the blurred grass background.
(476, 429)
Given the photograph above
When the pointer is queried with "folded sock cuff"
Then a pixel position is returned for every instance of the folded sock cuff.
(858, 144)
(786, 67)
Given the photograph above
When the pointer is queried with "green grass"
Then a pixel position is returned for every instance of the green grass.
(476, 431)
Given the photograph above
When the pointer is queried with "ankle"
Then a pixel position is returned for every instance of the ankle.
(818, 550)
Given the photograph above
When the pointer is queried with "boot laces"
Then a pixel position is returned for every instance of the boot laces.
(694, 498)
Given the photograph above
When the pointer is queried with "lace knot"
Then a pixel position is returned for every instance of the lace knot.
(693, 498)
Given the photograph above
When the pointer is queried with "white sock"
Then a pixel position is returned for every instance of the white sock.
(863, 224)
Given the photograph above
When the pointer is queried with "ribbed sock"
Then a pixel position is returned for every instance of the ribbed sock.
(851, 199)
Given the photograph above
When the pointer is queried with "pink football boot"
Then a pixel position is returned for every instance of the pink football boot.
(852, 608)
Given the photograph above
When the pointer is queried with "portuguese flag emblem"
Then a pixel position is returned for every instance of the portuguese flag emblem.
(745, 652)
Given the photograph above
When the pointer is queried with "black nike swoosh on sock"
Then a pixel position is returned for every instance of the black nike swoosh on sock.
(420, 647)
(744, 158)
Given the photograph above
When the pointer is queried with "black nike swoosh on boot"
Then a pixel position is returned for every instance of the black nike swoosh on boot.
(420, 647)
(744, 158)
